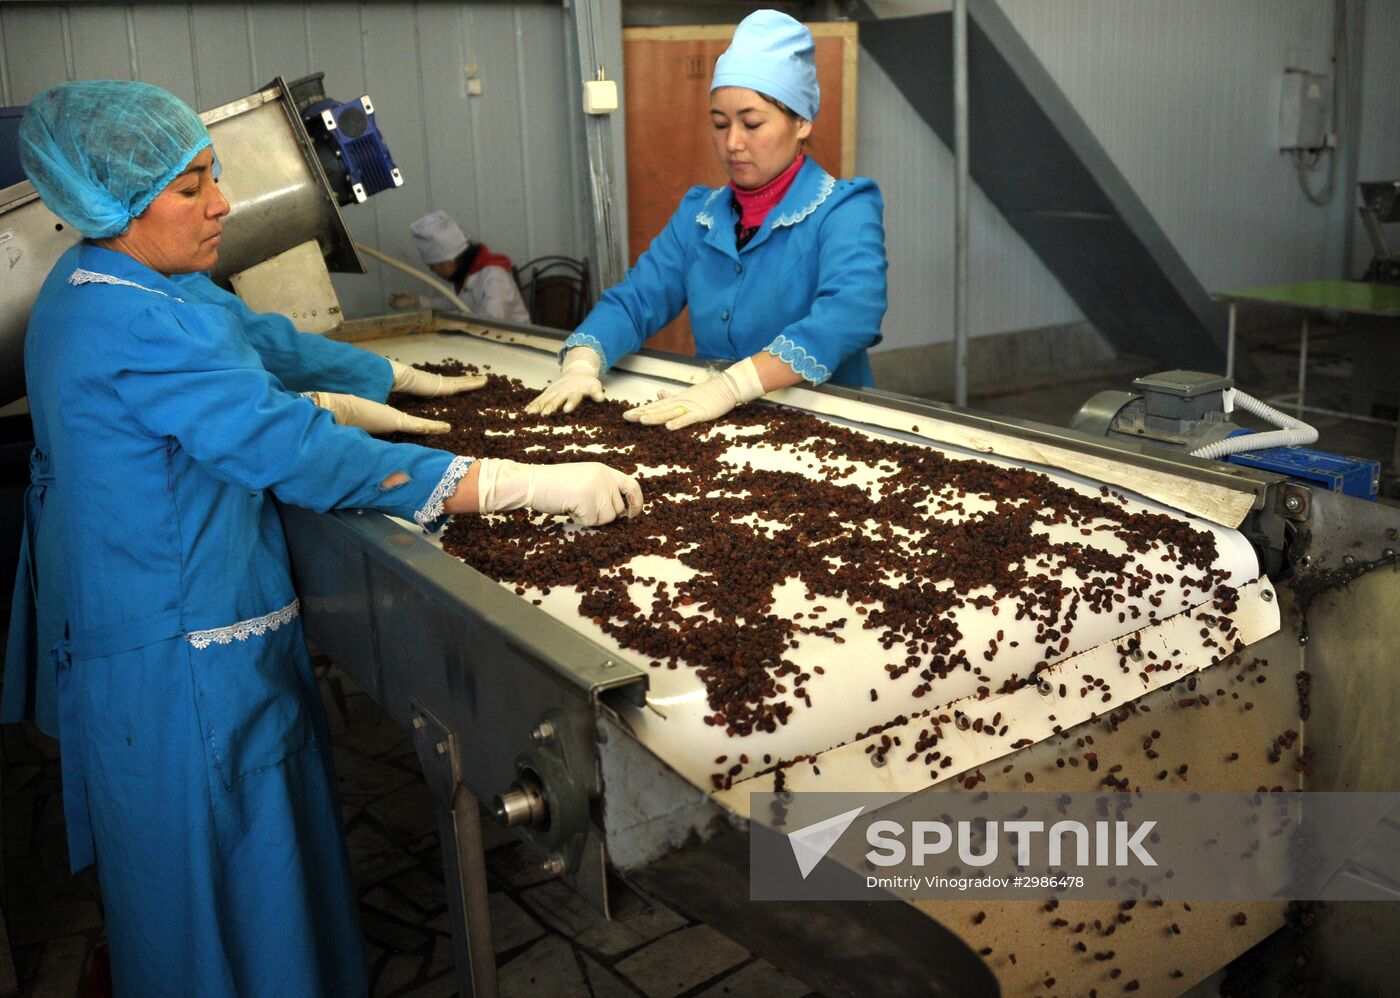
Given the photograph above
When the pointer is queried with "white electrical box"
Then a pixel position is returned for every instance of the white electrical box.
(599, 96)
(1302, 111)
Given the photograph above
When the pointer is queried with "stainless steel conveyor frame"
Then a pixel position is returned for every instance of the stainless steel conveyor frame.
(492, 686)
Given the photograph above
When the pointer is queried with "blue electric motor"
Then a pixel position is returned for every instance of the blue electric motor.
(351, 149)
(1184, 410)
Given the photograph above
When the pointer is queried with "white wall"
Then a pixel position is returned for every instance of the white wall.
(1011, 289)
(1379, 155)
(507, 163)
(1183, 95)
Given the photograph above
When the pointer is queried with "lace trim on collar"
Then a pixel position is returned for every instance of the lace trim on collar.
(828, 185)
(432, 509)
(244, 629)
(703, 216)
(81, 276)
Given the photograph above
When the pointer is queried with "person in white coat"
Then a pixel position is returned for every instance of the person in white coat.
(481, 278)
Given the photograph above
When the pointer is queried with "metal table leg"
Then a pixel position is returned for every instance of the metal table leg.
(464, 872)
(463, 865)
(1302, 368)
(1230, 345)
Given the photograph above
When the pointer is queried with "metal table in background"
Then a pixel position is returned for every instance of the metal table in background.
(1311, 297)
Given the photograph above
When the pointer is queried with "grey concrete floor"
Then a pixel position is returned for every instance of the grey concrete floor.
(546, 940)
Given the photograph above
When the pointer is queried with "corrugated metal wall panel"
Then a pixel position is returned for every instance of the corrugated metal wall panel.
(546, 127)
(1182, 95)
(279, 42)
(101, 42)
(448, 135)
(164, 49)
(493, 47)
(223, 60)
(504, 163)
(1379, 156)
(36, 49)
(1184, 98)
(1011, 289)
(391, 74)
(4, 68)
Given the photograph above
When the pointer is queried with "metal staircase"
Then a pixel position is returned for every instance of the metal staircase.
(1038, 162)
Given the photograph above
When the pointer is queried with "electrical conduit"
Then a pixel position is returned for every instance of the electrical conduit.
(438, 285)
(1291, 433)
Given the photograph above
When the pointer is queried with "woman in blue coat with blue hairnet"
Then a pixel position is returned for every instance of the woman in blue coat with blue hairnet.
(196, 763)
(783, 269)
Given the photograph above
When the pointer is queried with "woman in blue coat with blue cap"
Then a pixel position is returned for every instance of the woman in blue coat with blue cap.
(783, 269)
(195, 753)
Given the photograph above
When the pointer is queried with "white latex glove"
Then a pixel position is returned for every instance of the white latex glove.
(589, 492)
(412, 381)
(707, 400)
(579, 377)
(375, 417)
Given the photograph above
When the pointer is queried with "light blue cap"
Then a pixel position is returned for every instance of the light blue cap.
(99, 151)
(775, 55)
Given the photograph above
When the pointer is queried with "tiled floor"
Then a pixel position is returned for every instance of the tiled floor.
(547, 941)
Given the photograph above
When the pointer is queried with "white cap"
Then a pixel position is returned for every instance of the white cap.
(438, 237)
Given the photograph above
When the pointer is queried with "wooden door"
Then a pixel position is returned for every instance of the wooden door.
(667, 100)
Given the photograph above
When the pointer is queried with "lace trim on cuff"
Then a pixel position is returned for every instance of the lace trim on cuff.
(797, 358)
(245, 629)
(81, 276)
(584, 340)
(792, 218)
(432, 509)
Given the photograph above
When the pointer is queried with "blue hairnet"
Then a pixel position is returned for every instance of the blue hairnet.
(774, 55)
(99, 151)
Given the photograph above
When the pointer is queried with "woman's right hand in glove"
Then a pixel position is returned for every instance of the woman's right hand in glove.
(589, 492)
(579, 377)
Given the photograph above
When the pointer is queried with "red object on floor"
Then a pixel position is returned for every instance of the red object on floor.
(99, 978)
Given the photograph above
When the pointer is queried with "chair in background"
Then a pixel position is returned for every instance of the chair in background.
(556, 290)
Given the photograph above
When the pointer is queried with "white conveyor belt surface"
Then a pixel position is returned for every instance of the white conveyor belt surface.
(1101, 669)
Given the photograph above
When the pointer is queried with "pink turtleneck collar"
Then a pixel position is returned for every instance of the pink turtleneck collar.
(754, 205)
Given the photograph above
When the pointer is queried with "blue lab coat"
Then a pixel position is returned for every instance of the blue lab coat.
(196, 757)
(809, 286)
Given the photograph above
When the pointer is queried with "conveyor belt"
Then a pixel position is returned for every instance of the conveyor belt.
(1115, 652)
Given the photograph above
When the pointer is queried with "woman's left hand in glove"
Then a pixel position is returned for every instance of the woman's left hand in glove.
(412, 381)
(705, 401)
